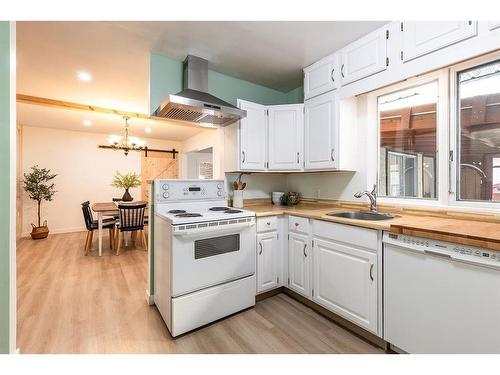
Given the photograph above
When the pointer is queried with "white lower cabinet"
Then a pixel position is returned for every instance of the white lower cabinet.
(299, 263)
(268, 269)
(345, 281)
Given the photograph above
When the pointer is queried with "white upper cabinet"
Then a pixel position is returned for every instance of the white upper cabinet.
(421, 38)
(320, 77)
(364, 57)
(345, 282)
(253, 136)
(286, 137)
(320, 122)
(493, 25)
(299, 263)
(267, 261)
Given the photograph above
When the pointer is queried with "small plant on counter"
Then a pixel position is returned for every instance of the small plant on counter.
(126, 181)
(37, 185)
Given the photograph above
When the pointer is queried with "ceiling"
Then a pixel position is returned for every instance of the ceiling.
(58, 118)
(116, 54)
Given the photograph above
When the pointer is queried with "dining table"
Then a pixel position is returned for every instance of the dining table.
(103, 209)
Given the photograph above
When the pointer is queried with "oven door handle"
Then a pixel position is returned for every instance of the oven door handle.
(216, 229)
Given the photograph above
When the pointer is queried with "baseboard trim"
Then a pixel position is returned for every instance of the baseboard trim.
(150, 299)
(358, 331)
(61, 231)
(269, 293)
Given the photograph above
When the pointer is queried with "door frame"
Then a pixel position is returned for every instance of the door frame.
(12, 193)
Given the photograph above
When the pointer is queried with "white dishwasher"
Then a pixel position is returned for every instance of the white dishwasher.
(440, 297)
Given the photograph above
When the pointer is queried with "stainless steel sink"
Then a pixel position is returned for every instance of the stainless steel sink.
(361, 215)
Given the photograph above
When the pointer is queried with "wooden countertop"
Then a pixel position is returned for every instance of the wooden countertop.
(478, 230)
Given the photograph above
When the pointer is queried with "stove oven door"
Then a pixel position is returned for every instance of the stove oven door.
(201, 260)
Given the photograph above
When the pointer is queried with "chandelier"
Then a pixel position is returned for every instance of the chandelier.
(126, 142)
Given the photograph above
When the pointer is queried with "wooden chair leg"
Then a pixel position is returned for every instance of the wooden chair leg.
(111, 238)
(91, 246)
(119, 245)
(86, 247)
(144, 241)
(133, 236)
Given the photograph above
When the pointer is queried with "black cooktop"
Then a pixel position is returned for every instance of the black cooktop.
(219, 208)
(188, 214)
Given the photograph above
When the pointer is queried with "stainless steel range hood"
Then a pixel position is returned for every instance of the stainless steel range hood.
(194, 103)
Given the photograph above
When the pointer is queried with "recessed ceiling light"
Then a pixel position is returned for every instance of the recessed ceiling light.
(87, 122)
(148, 130)
(84, 76)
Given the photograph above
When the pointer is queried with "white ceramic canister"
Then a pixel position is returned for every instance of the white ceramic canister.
(238, 198)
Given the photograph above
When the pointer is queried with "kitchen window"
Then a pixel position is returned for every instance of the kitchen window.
(478, 133)
(408, 146)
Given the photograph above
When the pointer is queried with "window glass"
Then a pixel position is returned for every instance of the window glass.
(478, 162)
(408, 142)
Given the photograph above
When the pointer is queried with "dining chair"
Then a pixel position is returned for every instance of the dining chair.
(131, 220)
(92, 225)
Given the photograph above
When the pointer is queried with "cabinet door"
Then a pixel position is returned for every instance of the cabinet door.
(493, 25)
(320, 123)
(364, 57)
(423, 37)
(253, 136)
(267, 261)
(320, 77)
(286, 136)
(345, 282)
(299, 264)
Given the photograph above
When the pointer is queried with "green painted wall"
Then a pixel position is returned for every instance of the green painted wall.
(296, 95)
(166, 78)
(4, 184)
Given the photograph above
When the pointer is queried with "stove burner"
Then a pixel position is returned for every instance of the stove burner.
(231, 211)
(219, 208)
(177, 212)
(188, 214)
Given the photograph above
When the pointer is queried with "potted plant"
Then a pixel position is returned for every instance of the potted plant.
(37, 185)
(126, 181)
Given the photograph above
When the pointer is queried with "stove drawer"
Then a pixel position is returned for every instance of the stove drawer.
(265, 224)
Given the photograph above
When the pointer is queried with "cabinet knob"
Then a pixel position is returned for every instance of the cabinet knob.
(296, 224)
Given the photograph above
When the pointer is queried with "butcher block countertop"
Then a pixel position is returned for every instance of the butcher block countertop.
(466, 228)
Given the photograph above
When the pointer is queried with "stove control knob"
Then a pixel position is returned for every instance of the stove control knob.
(165, 187)
(219, 186)
(165, 195)
(219, 193)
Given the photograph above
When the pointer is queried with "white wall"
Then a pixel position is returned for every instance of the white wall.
(193, 160)
(258, 185)
(84, 173)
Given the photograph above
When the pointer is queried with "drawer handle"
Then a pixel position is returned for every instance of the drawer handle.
(371, 272)
(305, 254)
(332, 75)
(342, 70)
(268, 223)
(260, 245)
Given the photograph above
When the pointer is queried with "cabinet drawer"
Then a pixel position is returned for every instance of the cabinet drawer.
(298, 224)
(362, 237)
(268, 223)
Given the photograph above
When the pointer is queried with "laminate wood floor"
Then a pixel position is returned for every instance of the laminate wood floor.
(71, 303)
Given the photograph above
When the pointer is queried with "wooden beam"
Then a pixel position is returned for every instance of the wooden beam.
(82, 107)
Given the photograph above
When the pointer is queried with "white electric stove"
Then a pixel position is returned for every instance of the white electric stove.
(204, 254)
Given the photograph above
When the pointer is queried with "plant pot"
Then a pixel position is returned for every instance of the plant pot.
(127, 197)
(38, 233)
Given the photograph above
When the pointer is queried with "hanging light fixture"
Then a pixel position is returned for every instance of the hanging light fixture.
(126, 142)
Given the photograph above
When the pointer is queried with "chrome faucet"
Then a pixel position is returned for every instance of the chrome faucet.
(370, 194)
